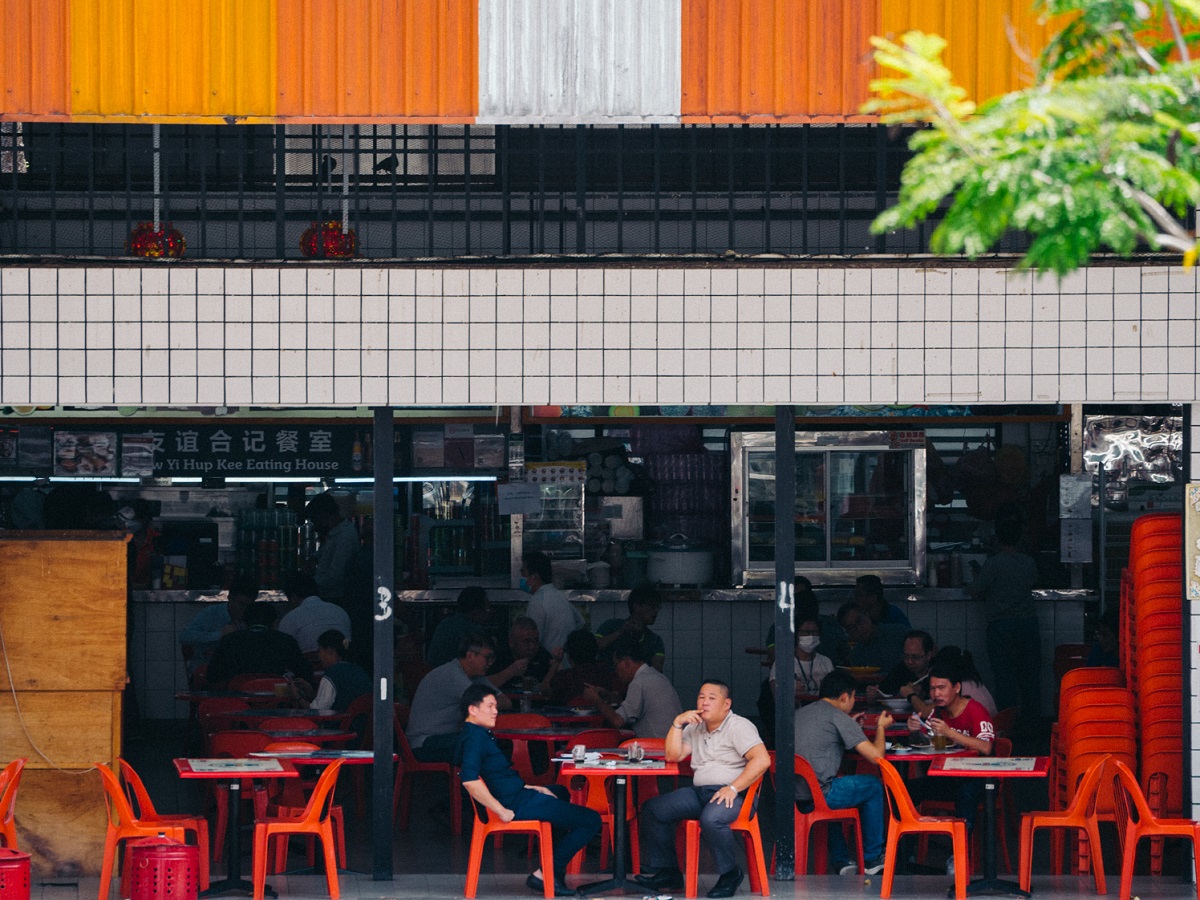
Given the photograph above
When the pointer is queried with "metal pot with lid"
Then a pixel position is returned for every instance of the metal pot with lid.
(678, 560)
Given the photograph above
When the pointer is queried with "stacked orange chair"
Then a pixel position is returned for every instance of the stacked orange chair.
(1152, 641)
(1095, 721)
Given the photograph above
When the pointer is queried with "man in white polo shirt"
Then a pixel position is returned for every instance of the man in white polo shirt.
(727, 757)
(651, 703)
(309, 616)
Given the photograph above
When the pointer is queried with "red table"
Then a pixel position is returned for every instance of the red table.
(992, 768)
(233, 771)
(622, 771)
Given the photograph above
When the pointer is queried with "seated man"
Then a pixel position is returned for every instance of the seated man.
(651, 703)
(523, 658)
(434, 721)
(824, 731)
(868, 594)
(568, 685)
(258, 648)
(910, 680)
(308, 616)
(727, 757)
(471, 613)
(967, 724)
(644, 606)
(868, 644)
(200, 638)
(492, 783)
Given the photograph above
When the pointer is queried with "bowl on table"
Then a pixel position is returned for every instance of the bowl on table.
(897, 705)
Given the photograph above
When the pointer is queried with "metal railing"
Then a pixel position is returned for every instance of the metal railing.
(248, 192)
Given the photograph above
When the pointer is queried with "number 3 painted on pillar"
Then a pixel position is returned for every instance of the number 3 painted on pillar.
(385, 604)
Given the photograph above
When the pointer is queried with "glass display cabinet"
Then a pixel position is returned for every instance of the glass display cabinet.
(859, 506)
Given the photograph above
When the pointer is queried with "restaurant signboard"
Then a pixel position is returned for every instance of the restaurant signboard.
(260, 450)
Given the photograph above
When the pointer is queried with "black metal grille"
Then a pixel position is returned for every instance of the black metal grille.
(414, 191)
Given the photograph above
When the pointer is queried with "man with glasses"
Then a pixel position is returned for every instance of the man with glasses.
(435, 720)
(910, 679)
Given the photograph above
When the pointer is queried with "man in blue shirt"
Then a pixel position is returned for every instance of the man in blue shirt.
(494, 784)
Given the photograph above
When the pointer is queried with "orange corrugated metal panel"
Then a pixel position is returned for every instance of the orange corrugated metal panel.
(185, 60)
(993, 44)
(34, 55)
(387, 58)
(776, 59)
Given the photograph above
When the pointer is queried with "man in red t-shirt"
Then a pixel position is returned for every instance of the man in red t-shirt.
(966, 723)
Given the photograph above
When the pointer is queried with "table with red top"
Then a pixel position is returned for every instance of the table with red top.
(233, 771)
(622, 771)
(992, 768)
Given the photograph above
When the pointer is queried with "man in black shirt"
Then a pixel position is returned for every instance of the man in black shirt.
(494, 784)
(258, 648)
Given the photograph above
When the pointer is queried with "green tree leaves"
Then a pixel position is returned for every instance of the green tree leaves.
(1100, 155)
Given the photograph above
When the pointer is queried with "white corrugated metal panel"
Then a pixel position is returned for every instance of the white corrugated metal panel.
(579, 60)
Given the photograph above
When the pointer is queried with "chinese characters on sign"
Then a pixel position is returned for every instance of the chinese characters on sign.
(255, 450)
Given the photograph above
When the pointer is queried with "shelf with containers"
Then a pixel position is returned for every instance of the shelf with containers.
(859, 506)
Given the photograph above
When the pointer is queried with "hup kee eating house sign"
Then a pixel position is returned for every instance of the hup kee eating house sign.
(196, 451)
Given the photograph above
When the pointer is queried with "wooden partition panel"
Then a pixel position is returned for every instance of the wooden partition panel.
(63, 615)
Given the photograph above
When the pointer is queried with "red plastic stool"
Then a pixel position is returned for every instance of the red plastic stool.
(161, 869)
(14, 874)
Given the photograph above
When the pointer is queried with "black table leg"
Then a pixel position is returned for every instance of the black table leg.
(990, 884)
(233, 881)
(618, 881)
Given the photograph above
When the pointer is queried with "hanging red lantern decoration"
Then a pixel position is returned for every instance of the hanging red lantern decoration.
(326, 239)
(167, 241)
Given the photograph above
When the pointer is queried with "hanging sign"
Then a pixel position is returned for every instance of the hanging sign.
(262, 451)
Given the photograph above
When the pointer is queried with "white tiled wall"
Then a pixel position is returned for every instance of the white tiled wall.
(356, 335)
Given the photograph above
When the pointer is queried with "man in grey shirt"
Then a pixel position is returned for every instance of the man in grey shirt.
(435, 718)
(727, 757)
(651, 703)
(824, 731)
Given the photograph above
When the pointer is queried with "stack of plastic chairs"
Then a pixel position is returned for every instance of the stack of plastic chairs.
(1152, 650)
(1096, 717)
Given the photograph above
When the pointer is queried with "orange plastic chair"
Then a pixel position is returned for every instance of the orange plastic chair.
(256, 681)
(314, 819)
(593, 738)
(10, 780)
(746, 823)
(821, 814)
(236, 745)
(485, 827)
(521, 760)
(291, 800)
(287, 723)
(208, 723)
(1090, 676)
(122, 826)
(1080, 815)
(1135, 821)
(147, 814)
(903, 819)
(409, 767)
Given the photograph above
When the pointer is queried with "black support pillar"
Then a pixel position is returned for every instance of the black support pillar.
(785, 674)
(385, 645)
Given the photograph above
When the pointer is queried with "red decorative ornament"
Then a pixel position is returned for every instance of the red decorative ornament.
(326, 239)
(166, 242)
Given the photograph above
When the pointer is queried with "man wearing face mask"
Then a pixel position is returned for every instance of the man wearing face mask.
(553, 615)
(811, 667)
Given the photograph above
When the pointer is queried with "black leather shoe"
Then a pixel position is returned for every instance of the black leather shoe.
(662, 880)
(728, 883)
(560, 890)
